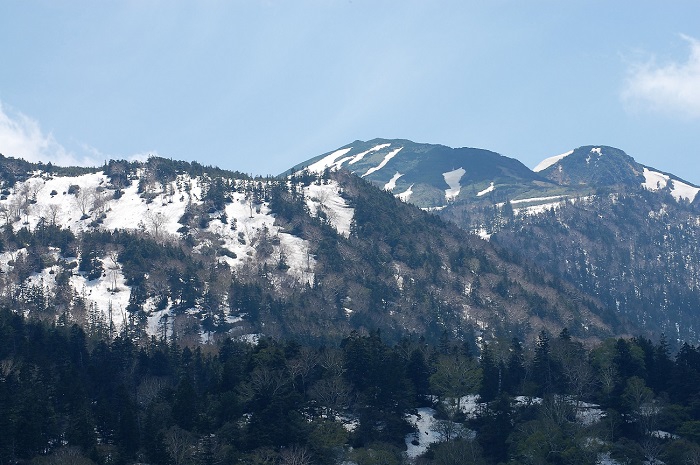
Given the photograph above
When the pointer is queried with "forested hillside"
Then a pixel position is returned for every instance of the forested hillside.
(200, 254)
(67, 397)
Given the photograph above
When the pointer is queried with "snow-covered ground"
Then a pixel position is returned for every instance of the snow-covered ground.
(452, 179)
(653, 181)
(491, 188)
(327, 199)
(329, 161)
(406, 195)
(391, 185)
(86, 202)
(537, 199)
(383, 163)
(547, 162)
(361, 155)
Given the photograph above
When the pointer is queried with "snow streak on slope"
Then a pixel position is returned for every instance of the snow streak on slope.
(491, 188)
(387, 157)
(654, 181)
(391, 185)
(537, 199)
(452, 179)
(328, 161)
(547, 162)
(360, 156)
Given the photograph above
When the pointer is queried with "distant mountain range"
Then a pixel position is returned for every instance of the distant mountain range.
(436, 176)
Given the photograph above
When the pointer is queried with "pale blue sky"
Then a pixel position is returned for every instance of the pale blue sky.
(259, 86)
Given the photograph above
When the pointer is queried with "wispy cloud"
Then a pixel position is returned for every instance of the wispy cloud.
(672, 88)
(22, 137)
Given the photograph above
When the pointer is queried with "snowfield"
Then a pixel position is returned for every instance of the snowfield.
(547, 162)
(406, 195)
(452, 179)
(654, 181)
(361, 155)
(326, 198)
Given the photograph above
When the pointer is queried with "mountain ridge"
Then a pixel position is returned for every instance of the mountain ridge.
(574, 221)
(166, 248)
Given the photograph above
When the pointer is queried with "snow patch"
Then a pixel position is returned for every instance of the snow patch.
(405, 195)
(328, 161)
(487, 190)
(654, 181)
(484, 234)
(537, 199)
(360, 156)
(547, 162)
(386, 160)
(452, 179)
(391, 185)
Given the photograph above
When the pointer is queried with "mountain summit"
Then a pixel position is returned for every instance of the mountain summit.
(435, 176)
(429, 176)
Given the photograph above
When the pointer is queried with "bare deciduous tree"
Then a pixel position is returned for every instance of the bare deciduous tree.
(51, 212)
(295, 455)
(332, 392)
(156, 220)
(302, 365)
(84, 200)
(179, 444)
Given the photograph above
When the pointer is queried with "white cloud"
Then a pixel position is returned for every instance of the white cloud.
(669, 88)
(22, 137)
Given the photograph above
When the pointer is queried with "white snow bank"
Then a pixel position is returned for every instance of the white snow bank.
(653, 181)
(361, 155)
(327, 161)
(386, 160)
(405, 195)
(547, 162)
(491, 188)
(391, 185)
(537, 199)
(452, 179)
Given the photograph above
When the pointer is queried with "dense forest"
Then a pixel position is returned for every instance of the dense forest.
(67, 397)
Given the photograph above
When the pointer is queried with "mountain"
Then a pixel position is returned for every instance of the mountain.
(178, 250)
(430, 176)
(623, 233)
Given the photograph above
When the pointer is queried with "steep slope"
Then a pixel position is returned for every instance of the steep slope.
(177, 250)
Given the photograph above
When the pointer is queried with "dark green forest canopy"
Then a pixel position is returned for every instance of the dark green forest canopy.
(67, 396)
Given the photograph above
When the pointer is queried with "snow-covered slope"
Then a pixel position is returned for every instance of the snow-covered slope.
(157, 210)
